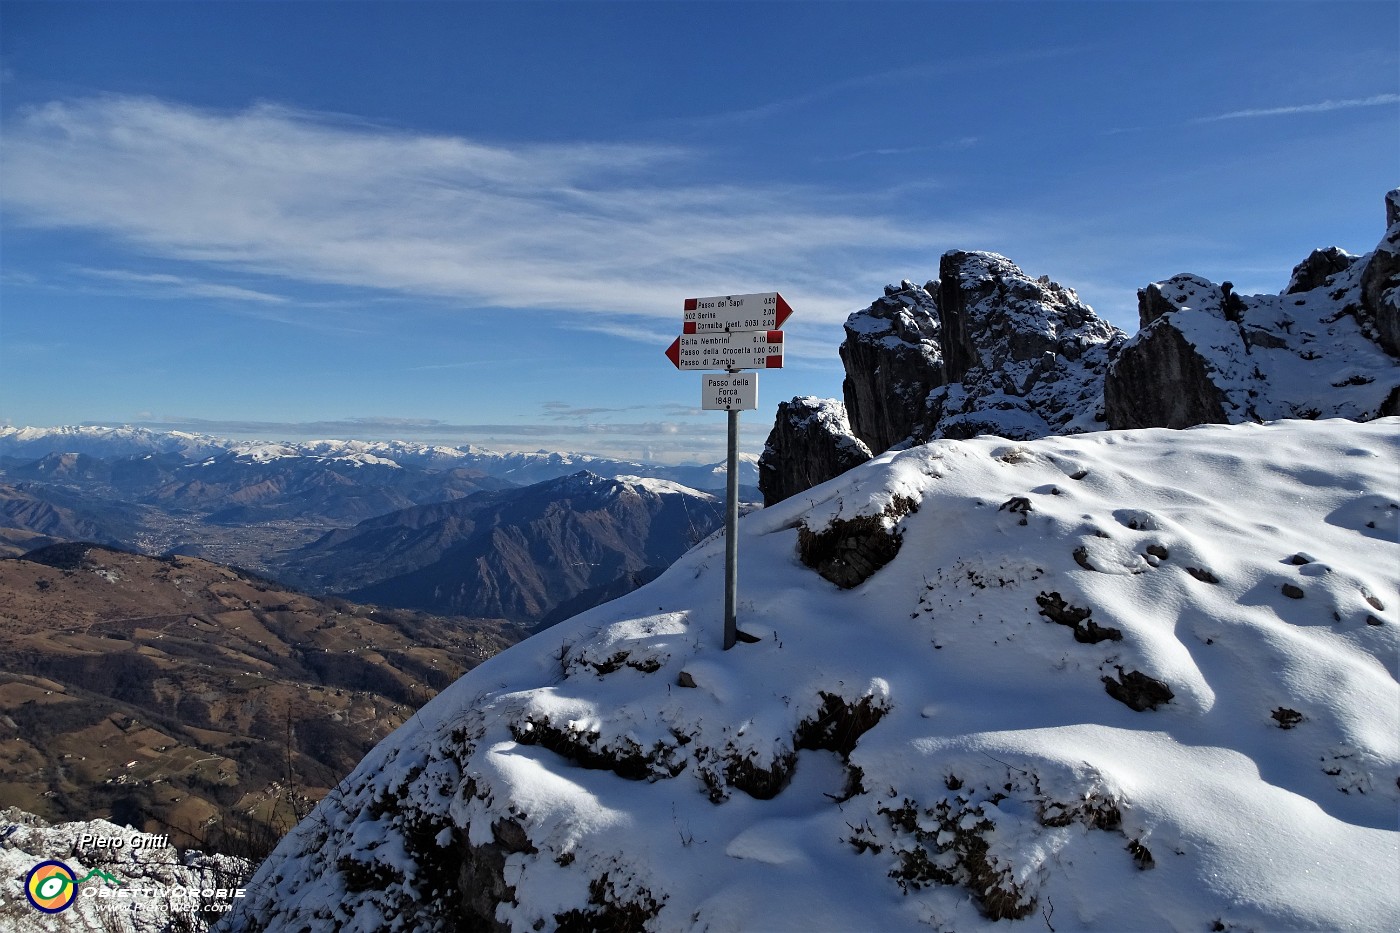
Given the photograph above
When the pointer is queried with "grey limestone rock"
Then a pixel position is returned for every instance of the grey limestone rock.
(893, 360)
(811, 442)
(1208, 355)
(1024, 357)
(1380, 282)
(1320, 266)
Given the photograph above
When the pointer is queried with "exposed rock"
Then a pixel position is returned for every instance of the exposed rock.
(1380, 283)
(1086, 631)
(849, 551)
(986, 349)
(892, 359)
(1320, 266)
(810, 443)
(481, 880)
(1024, 358)
(1164, 382)
(1137, 690)
(1326, 348)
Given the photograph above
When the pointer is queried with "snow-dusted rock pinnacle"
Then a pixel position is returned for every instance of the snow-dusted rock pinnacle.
(893, 360)
(1380, 282)
(1025, 357)
(1320, 266)
(810, 443)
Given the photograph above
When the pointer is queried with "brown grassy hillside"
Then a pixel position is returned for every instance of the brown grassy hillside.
(180, 695)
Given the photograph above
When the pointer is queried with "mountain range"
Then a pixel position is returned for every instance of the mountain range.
(320, 514)
(514, 554)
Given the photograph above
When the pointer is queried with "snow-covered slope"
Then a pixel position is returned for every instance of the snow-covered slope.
(1117, 681)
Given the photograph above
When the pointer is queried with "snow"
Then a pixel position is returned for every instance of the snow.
(1292, 355)
(1002, 776)
(662, 486)
(158, 887)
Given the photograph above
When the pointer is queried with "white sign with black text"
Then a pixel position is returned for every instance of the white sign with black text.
(729, 392)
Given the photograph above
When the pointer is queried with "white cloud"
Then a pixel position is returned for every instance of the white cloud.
(611, 229)
(165, 284)
(1378, 100)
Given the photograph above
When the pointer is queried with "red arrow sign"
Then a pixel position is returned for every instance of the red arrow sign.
(728, 350)
(784, 311)
(761, 311)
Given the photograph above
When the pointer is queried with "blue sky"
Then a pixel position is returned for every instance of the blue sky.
(478, 221)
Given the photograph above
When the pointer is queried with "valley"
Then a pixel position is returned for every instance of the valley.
(182, 696)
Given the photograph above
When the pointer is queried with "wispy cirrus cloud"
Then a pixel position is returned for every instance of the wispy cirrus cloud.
(283, 193)
(563, 411)
(1376, 100)
(180, 286)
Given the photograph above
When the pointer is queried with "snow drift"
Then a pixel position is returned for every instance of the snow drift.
(1124, 680)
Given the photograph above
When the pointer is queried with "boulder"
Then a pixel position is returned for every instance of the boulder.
(892, 359)
(811, 442)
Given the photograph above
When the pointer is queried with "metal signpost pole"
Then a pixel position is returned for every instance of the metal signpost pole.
(731, 535)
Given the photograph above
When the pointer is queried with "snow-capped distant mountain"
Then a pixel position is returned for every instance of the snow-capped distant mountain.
(529, 468)
(521, 469)
(1116, 681)
(94, 441)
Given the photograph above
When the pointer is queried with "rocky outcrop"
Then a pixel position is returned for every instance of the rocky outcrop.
(1380, 282)
(1320, 266)
(1024, 357)
(810, 443)
(986, 349)
(893, 360)
(997, 353)
(1206, 354)
(1163, 380)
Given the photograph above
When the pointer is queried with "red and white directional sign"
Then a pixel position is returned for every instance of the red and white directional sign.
(729, 392)
(762, 311)
(735, 349)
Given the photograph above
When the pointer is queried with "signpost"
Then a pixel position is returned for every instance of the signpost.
(731, 333)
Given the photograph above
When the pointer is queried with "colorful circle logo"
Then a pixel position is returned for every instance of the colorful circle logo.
(51, 887)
